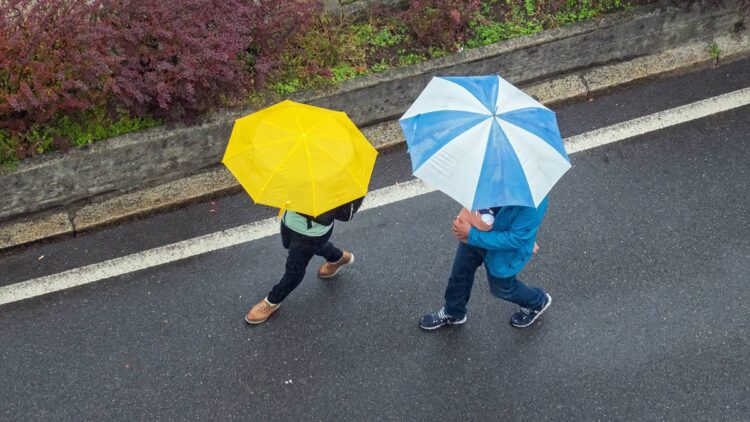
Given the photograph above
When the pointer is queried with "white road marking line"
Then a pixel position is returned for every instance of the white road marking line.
(659, 120)
(183, 249)
(381, 197)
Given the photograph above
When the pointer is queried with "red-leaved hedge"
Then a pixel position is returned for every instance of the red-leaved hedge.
(52, 60)
(169, 58)
(180, 57)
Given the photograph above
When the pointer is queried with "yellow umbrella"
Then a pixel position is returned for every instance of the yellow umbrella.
(300, 157)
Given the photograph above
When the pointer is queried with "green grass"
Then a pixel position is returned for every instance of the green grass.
(405, 58)
(492, 32)
(91, 126)
(386, 38)
(287, 87)
(526, 19)
(714, 51)
(97, 126)
(380, 67)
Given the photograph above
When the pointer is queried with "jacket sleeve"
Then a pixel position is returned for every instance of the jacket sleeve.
(523, 229)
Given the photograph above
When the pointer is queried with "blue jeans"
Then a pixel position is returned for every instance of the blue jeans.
(301, 250)
(468, 259)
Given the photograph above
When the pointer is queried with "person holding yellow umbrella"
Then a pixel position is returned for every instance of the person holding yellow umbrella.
(315, 166)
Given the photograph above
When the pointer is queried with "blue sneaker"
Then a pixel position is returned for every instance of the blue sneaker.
(524, 317)
(438, 319)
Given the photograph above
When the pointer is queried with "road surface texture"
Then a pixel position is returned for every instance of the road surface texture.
(645, 250)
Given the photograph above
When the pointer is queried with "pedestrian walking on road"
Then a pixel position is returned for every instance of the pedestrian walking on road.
(304, 237)
(504, 247)
(314, 165)
(489, 146)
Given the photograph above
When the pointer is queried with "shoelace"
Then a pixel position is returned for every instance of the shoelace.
(441, 314)
(265, 305)
(526, 310)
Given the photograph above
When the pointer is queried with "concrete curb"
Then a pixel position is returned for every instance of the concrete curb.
(215, 181)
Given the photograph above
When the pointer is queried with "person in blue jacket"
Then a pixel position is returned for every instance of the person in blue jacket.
(504, 248)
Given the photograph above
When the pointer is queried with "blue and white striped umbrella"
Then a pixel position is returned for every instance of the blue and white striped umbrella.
(484, 142)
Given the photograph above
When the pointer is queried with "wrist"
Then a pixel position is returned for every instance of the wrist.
(469, 232)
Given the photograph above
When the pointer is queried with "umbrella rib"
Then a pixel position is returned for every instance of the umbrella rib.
(449, 141)
(276, 141)
(276, 170)
(522, 129)
(296, 119)
(284, 128)
(249, 146)
(342, 165)
(309, 161)
(313, 127)
(310, 172)
(520, 109)
(309, 129)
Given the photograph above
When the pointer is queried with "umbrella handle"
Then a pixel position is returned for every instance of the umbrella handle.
(283, 208)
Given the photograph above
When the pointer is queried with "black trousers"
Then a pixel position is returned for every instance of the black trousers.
(301, 250)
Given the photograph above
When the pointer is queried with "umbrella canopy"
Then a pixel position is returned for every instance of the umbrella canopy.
(484, 142)
(300, 157)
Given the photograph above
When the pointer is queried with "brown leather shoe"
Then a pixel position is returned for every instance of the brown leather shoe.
(330, 269)
(261, 311)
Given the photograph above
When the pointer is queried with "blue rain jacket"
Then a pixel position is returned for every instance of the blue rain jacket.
(510, 243)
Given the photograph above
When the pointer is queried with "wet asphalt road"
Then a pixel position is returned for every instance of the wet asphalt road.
(645, 251)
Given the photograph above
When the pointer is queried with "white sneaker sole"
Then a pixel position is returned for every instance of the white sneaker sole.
(549, 302)
(351, 261)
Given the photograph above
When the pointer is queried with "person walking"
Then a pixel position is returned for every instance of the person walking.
(304, 237)
(490, 146)
(504, 246)
(314, 165)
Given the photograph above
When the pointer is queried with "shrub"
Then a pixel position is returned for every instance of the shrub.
(97, 124)
(49, 62)
(8, 149)
(440, 23)
(332, 50)
(276, 33)
(181, 57)
(61, 59)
